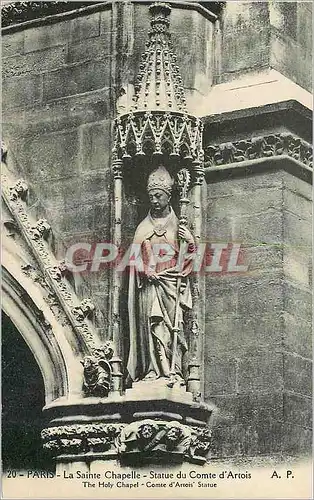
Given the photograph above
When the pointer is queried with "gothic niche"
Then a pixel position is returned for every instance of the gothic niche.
(151, 410)
(158, 171)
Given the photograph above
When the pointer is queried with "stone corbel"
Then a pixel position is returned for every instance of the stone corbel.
(102, 372)
(137, 442)
(19, 190)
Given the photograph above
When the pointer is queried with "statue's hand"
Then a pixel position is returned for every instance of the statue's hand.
(153, 278)
(185, 234)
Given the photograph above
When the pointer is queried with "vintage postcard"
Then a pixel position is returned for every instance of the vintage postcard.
(156, 249)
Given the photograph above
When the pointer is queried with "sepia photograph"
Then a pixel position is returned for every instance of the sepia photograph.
(156, 249)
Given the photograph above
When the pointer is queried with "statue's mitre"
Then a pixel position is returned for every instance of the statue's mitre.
(160, 179)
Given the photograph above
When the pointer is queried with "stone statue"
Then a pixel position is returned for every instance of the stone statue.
(159, 295)
(98, 371)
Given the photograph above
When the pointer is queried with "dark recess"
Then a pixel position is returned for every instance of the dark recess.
(22, 402)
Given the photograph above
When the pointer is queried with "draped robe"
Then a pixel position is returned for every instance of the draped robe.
(152, 306)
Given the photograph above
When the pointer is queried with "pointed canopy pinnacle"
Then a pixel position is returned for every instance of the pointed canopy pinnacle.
(159, 84)
(157, 124)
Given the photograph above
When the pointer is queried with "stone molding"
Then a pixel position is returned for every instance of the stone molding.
(140, 438)
(50, 273)
(18, 15)
(19, 12)
(80, 438)
(265, 146)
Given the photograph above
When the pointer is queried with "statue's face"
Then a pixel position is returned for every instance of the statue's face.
(159, 200)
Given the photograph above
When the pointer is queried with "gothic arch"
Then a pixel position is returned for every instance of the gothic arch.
(26, 307)
(30, 321)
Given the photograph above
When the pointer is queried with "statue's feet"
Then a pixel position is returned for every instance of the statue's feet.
(176, 380)
(150, 376)
(180, 380)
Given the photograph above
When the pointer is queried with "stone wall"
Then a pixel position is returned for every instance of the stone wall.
(266, 34)
(258, 327)
(244, 39)
(61, 83)
(291, 40)
(57, 112)
(258, 333)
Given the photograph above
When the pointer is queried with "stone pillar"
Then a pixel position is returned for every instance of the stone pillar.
(258, 340)
(197, 317)
(116, 277)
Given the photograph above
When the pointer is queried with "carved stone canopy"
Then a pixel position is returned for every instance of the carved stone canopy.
(157, 122)
(178, 135)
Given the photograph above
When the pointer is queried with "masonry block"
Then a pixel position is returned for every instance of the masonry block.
(64, 113)
(260, 229)
(220, 374)
(52, 156)
(82, 27)
(238, 335)
(297, 232)
(249, 424)
(291, 50)
(95, 153)
(219, 229)
(297, 440)
(72, 192)
(298, 204)
(246, 185)
(35, 62)
(90, 49)
(296, 185)
(85, 26)
(298, 410)
(77, 79)
(297, 334)
(259, 370)
(262, 257)
(251, 296)
(106, 20)
(42, 37)
(74, 220)
(12, 44)
(297, 267)
(245, 39)
(297, 374)
(298, 301)
(198, 73)
(241, 204)
(21, 91)
(303, 26)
